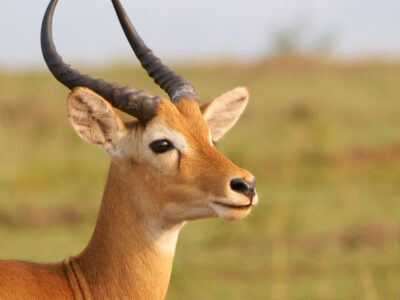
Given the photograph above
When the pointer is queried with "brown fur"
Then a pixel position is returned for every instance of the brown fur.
(23, 280)
(217, 168)
(120, 262)
(146, 201)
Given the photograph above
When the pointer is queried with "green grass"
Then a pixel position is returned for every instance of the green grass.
(323, 140)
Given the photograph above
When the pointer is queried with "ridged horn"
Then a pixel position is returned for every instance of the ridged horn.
(139, 104)
(175, 86)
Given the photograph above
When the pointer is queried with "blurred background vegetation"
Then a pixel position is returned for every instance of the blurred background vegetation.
(322, 138)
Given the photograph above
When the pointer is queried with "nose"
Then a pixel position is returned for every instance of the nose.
(244, 187)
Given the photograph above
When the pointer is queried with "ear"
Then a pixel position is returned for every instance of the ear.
(94, 119)
(222, 112)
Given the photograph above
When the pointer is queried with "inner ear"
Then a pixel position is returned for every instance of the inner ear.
(94, 119)
(222, 113)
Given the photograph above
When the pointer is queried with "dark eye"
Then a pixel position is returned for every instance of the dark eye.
(161, 146)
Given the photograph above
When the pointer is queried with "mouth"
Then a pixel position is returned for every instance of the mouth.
(226, 209)
(231, 206)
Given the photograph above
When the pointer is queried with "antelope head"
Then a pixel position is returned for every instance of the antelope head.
(167, 153)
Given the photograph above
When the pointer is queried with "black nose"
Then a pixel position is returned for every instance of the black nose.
(244, 187)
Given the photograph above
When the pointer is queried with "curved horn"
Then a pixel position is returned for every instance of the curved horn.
(176, 87)
(139, 104)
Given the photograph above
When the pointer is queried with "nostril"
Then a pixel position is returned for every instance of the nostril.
(244, 187)
(240, 185)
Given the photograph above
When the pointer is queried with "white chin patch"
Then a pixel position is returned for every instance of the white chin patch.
(230, 213)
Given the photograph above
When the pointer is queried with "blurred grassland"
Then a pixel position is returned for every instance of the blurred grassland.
(323, 140)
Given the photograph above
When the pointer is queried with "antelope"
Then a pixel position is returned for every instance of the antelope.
(164, 171)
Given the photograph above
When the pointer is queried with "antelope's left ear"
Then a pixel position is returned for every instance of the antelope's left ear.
(222, 112)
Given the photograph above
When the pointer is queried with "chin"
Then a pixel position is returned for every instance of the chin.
(230, 213)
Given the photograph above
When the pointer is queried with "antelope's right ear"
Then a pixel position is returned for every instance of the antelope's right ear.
(94, 119)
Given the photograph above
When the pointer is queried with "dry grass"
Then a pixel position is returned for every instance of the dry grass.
(322, 139)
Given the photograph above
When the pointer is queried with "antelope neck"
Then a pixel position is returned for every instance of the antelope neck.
(130, 253)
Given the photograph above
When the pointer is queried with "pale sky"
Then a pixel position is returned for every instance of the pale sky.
(87, 31)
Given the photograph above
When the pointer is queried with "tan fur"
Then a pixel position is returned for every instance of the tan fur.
(22, 280)
(205, 165)
(147, 199)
